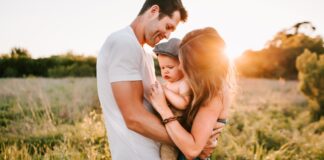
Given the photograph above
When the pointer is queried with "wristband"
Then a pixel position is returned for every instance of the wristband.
(170, 119)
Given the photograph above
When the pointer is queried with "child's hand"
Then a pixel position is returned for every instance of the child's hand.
(157, 97)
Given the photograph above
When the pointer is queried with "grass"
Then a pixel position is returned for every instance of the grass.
(51, 119)
(61, 119)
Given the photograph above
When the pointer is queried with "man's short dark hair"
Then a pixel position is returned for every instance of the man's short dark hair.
(167, 7)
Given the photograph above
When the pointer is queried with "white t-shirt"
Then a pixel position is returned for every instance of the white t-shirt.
(122, 58)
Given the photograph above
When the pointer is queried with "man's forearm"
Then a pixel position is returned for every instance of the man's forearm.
(129, 98)
(150, 126)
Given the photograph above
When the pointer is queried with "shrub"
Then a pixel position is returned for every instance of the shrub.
(311, 71)
(74, 70)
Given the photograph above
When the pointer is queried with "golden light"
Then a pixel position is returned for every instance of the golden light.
(235, 49)
(233, 52)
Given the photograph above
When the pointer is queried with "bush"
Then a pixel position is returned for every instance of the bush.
(311, 71)
(157, 67)
(10, 72)
(20, 64)
(74, 70)
(278, 57)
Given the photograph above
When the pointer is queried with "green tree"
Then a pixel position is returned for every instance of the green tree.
(10, 72)
(19, 53)
(157, 67)
(311, 75)
(278, 58)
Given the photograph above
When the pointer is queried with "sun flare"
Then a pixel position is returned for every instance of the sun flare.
(233, 53)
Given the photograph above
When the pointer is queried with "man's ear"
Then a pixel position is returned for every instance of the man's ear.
(155, 10)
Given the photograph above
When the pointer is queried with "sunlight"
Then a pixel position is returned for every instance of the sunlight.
(235, 49)
(233, 53)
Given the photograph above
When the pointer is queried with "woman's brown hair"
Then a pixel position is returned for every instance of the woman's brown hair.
(206, 68)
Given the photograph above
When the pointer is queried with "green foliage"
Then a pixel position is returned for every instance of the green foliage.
(7, 113)
(278, 58)
(311, 71)
(74, 70)
(10, 72)
(157, 67)
(19, 53)
(51, 119)
(61, 119)
(34, 145)
(20, 64)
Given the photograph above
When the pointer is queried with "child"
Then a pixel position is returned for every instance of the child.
(176, 90)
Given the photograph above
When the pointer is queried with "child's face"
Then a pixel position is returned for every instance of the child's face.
(170, 68)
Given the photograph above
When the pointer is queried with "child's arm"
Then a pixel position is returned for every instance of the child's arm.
(179, 101)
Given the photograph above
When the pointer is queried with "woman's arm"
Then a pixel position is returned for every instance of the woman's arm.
(191, 144)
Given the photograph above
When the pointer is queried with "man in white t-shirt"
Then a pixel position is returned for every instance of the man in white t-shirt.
(125, 73)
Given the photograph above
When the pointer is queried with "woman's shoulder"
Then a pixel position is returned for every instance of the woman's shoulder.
(222, 99)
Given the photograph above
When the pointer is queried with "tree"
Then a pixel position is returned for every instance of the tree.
(311, 75)
(19, 53)
(20, 64)
(278, 58)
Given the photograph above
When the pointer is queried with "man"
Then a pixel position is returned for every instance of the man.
(124, 75)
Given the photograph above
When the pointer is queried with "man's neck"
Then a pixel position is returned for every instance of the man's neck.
(138, 27)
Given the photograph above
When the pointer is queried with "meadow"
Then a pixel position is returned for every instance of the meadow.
(43, 118)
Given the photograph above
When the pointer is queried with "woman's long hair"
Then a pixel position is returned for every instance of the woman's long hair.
(206, 67)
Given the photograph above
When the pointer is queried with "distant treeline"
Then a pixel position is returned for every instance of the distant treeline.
(278, 58)
(292, 53)
(18, 63)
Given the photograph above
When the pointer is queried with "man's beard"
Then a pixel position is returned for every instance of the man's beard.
(155, 39)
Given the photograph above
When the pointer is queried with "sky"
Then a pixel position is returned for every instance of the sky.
(51, 27)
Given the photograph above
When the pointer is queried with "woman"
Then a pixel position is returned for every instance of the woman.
(208, 73)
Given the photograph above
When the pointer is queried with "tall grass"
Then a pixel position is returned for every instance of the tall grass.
(270, 120)
(51, 119)
(61, 119)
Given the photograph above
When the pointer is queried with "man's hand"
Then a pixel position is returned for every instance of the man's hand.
(212, 142)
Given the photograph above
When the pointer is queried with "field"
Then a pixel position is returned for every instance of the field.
(61, 119)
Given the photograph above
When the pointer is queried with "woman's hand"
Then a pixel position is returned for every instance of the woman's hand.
(157, 97)
(212, 142)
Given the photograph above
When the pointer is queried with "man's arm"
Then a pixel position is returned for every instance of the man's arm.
(129, 97)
